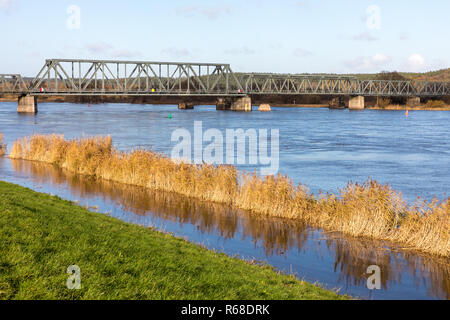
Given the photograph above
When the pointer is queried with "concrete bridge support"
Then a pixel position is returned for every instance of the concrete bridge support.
(234, 104)
(413, 102)
(27, 104)
(185, 105)
(242, 104)
(264, 107)
(223, 104)
(356, 103)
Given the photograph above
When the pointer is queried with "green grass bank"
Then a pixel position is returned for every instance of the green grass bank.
(41, 235)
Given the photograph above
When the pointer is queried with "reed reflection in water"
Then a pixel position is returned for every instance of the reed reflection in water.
(279, 237)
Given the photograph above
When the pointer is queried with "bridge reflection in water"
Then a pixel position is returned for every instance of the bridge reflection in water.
(348, 258)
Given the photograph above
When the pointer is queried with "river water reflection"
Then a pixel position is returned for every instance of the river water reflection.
(333, 260)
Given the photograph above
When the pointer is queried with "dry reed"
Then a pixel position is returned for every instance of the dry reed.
(2, 145)
(369, 209)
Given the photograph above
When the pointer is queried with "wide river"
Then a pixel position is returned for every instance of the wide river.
(320, 148)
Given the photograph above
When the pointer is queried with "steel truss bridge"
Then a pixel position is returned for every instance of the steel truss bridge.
(109, 77)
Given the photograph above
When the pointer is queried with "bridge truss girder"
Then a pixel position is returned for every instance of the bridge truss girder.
(110, 77)
(133, 77)
(12, 83)
(335, 85)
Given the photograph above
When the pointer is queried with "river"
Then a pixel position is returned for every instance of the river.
(321, 148)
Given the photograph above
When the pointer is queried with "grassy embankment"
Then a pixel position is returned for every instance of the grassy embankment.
(368, 209)
(41, 235)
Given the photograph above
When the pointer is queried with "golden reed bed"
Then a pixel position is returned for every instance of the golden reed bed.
(368, 209)
(2, 146)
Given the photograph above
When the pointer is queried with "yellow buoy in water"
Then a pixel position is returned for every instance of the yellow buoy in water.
(406, 113)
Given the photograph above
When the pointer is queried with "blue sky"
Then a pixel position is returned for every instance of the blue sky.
(347, 36)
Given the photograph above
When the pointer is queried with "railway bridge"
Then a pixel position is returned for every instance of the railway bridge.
(186, 82)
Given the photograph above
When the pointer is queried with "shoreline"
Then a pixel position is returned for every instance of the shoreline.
(137, 100)
(404, 108)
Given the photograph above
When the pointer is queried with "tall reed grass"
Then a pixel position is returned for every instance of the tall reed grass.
(2, 145)
(368, 209)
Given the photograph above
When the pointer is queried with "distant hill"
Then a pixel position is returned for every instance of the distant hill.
(439, 75)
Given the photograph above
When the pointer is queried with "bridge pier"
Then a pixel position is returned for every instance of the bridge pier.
(241, 104)
(356, 103)
(27, 104)
(185, 105)
(234, 104)
(223, 104)
(264, 107)
(413, 102)
(337, 103)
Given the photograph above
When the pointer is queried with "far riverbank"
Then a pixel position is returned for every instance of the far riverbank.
(310, 102)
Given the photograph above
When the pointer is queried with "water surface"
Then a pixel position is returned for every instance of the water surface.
(319, 147)
(333, 260)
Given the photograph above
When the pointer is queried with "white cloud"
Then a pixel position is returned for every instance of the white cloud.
(403, 36)
(374, 63)
(302, 4)
(176, 52)
(6, 4)
(365, 36)
(209, 12)
(125, 53)
(299, 52)
(276, 45)
(413, 63)
(243, 50)
(99, 47)
(108, 50)
(416, 61)
(380, 58)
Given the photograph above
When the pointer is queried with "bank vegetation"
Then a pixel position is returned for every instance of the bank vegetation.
(369, 209)
(2, 145)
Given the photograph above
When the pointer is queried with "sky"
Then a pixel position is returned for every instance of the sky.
(303, 36)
